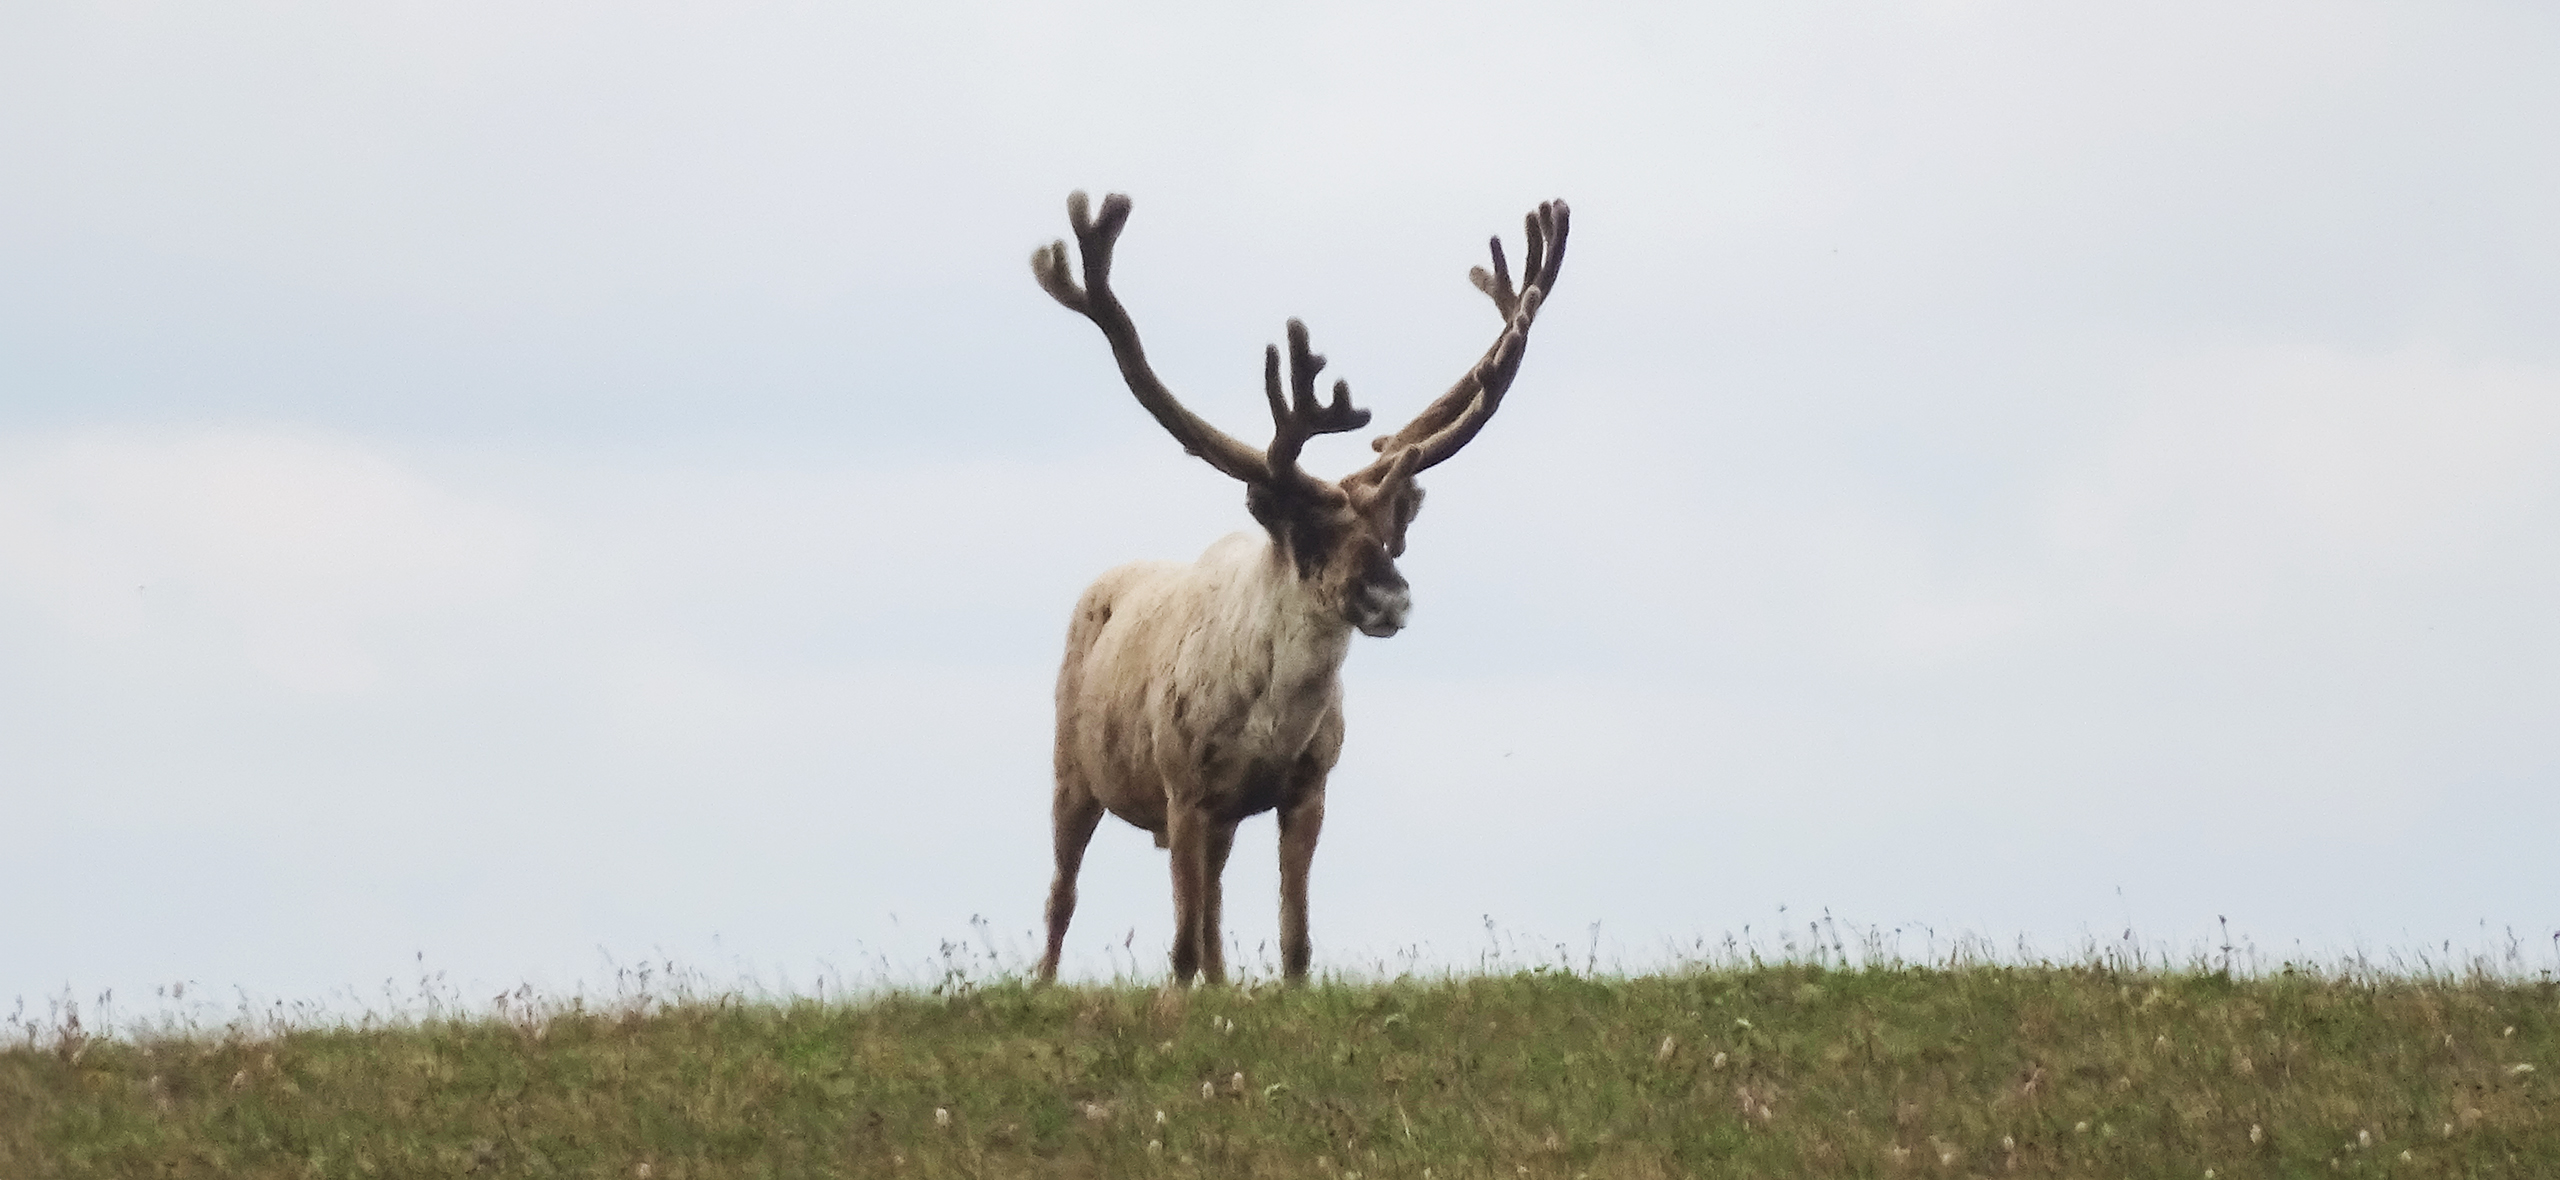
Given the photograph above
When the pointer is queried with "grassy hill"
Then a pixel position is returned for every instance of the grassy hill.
(1775, 1071)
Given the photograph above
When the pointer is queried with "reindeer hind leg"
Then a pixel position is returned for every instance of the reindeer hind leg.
(1072, 820)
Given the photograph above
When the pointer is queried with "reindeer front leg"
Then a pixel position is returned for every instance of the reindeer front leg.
(1187, 835)
(1213, 928)
(1300, 823)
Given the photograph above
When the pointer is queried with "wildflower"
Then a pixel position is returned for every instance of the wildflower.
(1208, 1090)
(941, 1116)
(2511, 1031)
(2406, 1156)
(2008, 1143)
(2256, 1135)
(2081, 1127)
(1159, 1118)
(2520, 1069)
(1235, 1085)
(1718, 1063)
(2364, 1139)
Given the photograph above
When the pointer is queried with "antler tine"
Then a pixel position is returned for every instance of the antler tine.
(1497, 283)
(1453, 419)
(1551, 223)
(1095, 238)
(1300, 418)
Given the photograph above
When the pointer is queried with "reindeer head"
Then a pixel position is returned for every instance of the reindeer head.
(1340, 537)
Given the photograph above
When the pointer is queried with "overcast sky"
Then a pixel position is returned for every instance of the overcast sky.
(507, 488)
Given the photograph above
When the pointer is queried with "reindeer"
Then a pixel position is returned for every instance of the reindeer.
(1193, 696)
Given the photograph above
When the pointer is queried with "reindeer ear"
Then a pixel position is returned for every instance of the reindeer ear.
(1408, 504)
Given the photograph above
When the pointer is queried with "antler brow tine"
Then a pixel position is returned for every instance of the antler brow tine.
(1300, 418)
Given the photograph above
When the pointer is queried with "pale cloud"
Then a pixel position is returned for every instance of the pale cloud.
(290, 554)
(2385, 464)
(2236, 489)
(534, 477)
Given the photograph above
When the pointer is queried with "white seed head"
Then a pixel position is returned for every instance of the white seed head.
(1160, 1118)
(1719, 1062)
(2364, 1138)
(2081, 1127)
(2256, 1135)
(941, 1116)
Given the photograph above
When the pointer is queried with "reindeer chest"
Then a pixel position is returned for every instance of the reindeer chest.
(1264, 703)
(1248, 762)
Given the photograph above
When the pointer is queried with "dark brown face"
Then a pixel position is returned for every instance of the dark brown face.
(1344, 544)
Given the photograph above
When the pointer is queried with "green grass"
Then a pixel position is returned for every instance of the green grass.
(1773, 1071)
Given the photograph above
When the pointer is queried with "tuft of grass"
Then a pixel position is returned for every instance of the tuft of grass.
(1777, 1070)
